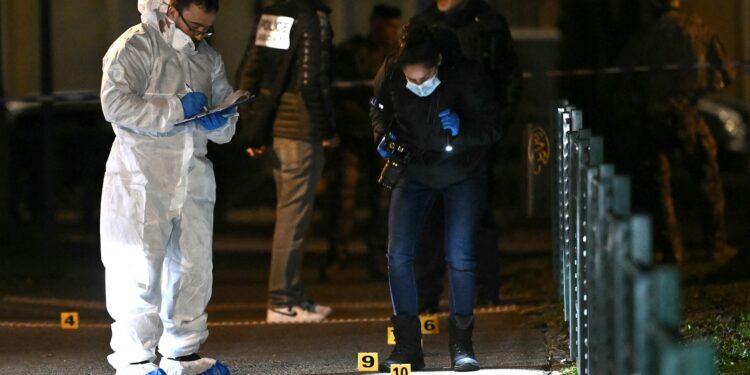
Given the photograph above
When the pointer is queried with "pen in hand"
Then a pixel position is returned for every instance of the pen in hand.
(190, 89)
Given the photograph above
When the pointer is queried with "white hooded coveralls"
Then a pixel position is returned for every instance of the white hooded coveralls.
(159, 193)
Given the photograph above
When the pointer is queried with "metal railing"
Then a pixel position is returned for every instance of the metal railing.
(622, 311)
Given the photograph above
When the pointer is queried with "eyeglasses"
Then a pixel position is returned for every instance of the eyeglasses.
(207, 32)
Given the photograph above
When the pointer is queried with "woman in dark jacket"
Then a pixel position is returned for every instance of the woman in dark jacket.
(440, 109)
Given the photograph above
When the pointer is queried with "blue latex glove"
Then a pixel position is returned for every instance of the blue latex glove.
(212, 122)
(450, 121)
(382, 150)
(193, 103)
(229, 112)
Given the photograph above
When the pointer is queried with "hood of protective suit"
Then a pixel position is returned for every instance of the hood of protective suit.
(149, 5)
(155, 11)
(152, 11)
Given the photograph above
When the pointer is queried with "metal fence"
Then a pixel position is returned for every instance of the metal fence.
(623, 312)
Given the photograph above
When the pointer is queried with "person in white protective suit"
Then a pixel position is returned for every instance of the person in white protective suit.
(159, 190)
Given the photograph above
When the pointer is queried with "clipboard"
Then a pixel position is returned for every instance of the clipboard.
(235, 100)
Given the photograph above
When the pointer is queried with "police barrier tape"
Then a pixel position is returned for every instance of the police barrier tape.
(582, 72)
(241, 323)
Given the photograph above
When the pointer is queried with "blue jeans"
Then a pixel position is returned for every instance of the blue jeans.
(411, 201)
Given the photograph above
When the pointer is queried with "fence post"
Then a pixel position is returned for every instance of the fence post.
(588, 151)
(668, 356)
(601, 304)
(635, 262)
(558, 124)
(666, 317)
(691, 359)
(562, 182)
(580, 157)
(570, 191)
(592, 156)
(621, 208)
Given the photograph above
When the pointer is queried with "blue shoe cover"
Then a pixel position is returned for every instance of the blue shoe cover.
(217, 369)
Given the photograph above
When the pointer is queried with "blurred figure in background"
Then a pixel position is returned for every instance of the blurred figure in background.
(289, 69)
(668, 123)
(354, 167)
(484, 36)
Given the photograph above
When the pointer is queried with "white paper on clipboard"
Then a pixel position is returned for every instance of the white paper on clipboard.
(237, 98)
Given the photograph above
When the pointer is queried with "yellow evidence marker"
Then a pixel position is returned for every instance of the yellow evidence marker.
(367, 362)
(404, 369)
(391, 336)
(429, 324)
(69, 320)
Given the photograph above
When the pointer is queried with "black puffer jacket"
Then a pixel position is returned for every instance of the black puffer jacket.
(303, 107)
(485, 37)
(414, 120)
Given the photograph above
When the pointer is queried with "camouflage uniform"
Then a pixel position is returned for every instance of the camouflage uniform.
(671, 124)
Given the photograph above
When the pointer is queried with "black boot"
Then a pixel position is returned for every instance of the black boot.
(408, 332)
(459, 343)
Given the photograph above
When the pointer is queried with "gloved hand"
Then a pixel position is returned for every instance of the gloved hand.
(212, 121)
(450, 121)
(193, 103)
(229, 112)
(384, 152)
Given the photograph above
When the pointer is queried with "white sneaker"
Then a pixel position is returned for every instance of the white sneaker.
(310, 305)
(201, 366)
(310, 313)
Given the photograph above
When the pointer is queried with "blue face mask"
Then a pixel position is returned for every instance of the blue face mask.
(426, 88)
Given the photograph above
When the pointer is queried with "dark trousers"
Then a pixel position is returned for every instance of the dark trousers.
(680, 132)
(410, 204)
(430, 266)
(353, 172)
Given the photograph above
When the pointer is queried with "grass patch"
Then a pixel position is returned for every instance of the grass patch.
(717, 311)
(730, 334)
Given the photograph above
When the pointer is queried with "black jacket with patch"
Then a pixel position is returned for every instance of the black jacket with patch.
(301, 106)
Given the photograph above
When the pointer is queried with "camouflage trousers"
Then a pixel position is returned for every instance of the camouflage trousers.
(680, 135)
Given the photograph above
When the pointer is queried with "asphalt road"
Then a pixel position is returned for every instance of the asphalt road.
(36, 289)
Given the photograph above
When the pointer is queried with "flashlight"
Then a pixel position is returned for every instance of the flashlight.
(448, 141)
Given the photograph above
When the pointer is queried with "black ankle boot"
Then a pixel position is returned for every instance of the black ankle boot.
(408, 332)
(459, 343)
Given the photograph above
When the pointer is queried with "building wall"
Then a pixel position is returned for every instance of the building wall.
(80, 39)
(20, 33)
(83, 29)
